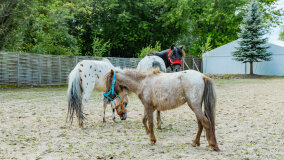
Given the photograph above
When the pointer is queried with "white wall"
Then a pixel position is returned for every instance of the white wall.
(220, 61)
(275, 67)
(222, 65)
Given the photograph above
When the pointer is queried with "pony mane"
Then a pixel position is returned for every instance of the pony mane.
(115, 69)
(106, 75)
(134, 72)
(156, 71)
(182, 51)
(137, 73)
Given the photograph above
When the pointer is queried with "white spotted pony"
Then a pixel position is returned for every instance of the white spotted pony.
(151, 62)
(88, 76)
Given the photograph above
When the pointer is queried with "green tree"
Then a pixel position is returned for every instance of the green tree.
(212, 18)
(130, 25)
(9, 10)
(43, 29)
(220, 20)
(73, 27)
(253, 47)
(207, 46)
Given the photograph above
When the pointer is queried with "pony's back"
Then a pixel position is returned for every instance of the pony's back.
(150, 62)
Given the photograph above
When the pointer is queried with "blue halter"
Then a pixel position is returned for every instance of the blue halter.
(112, 90)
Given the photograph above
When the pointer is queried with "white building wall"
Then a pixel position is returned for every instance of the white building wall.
(275, 67)
(222, 65)
(221, 61)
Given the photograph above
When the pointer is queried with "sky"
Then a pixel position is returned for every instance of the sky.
(281, 3)
(274, 35)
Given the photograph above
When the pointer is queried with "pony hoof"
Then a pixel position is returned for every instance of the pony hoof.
(114, 120)
(194, 144)
(104, 120)
(81, 126)
(152, 142)
(212, 148)
(159, 127)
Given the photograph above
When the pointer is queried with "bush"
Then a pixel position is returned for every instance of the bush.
(100, 48)
(149, 49)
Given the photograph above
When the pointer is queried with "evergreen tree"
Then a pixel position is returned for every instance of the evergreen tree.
(253, 46)
(281, 36)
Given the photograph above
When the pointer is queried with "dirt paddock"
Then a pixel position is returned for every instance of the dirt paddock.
(249, 118)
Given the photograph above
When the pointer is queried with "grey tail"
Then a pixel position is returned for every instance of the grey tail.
(209, 97)
(156, 64)
(74, 97)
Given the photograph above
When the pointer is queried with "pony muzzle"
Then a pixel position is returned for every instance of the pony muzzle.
(176, 65)
(121, 110)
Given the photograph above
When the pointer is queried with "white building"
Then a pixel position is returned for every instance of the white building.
(220, 60)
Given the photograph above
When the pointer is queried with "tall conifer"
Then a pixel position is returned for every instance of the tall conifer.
(252, 45)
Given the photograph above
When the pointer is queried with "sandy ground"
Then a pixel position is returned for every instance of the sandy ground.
(250, 125)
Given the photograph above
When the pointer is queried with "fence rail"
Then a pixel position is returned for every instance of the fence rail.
(36, 69)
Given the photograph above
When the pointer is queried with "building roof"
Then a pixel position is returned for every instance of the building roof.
(276, 47)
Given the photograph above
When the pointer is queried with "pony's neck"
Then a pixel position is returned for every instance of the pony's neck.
(164, 55)
(131, 80)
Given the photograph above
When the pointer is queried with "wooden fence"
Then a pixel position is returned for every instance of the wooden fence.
(36, 69)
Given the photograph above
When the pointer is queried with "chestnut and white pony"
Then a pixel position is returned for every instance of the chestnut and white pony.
(86, 77)
(150, 63)
(157, 91)
(167, 58)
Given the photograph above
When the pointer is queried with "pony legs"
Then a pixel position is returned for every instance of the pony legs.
(105, 105)
(159, 122)
(150, 130)
(196, 142)
(81, 115)
(144, 121)
(113, 111)
(203, 122)
(86, 96)
(151, 127)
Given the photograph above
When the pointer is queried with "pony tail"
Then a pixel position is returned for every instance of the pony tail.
(74, 97)
(156, 64)
(209, 97)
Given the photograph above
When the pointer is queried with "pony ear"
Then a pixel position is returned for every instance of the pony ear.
(181, 47)
(172, 47)
(111, 72)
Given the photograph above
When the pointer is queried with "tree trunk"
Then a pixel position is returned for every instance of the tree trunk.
(251, 68)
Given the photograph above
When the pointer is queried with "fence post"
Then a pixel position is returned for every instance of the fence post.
(39, 69)
(245, 68)
(76, 60)
(183, 64)
(201, 66)
(18, 74)
(192, 62)
(60, 79)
